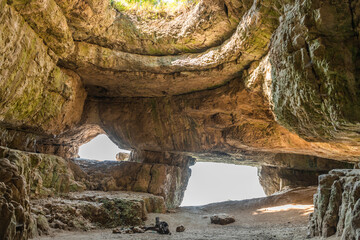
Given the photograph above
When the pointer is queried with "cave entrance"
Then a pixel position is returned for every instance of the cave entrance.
(101, 148)
(217, 182)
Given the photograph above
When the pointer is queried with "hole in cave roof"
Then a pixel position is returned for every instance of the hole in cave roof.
(153, 9)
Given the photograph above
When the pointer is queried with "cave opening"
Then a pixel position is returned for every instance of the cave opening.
(217, 182)
(101, 148)
(153, 9)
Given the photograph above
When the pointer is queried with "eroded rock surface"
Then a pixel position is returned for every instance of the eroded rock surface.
(261, 78)
(168, 180)
(292, 171)
(246, 81)
(24, 176)
(337, 203)
(14, 203)
(92, 210)
(44, 174)
(315, 70)
(35, 93)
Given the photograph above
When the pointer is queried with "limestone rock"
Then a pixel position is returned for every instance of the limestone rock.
(92, 210)
(222, 219)
(304, 47)
(35, 92)
(294, 170)
(122, 156)
(271, 83)
(168, 181)
(87, 17)
(200, 27)
(180, 228)
(44, 174)
(234, 77)
(24, 175)
(231, 127)
(14, 203)
(192, 71)
(274, 179)
(48, 21)
(42, 225)
(336, 205)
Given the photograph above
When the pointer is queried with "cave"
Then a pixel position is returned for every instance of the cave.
(271, 84)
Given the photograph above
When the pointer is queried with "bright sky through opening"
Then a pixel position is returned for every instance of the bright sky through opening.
(209, 182)
(100, 148)
(217, 182)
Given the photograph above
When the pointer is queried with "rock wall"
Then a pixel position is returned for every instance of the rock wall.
(261, 77)
(168, 179)
(226, 79)
(35, 93)
(24, 176)
(337, 203)
(14, 203)
(93, 210)
(273, 179)
(31, 185)
(45, 175)
(294, 170)
(38, 99)
(315, 80)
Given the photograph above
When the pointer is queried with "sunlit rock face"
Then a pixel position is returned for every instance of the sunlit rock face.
(229, 80)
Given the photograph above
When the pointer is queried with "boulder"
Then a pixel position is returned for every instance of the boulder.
(180, 228)
(121, 156)
(222, 219)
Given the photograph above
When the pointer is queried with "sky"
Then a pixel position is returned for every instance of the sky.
(217, 182)
(209, 182)
(100, 148)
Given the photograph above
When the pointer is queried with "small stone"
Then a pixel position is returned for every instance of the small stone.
(77, 212)
(171, 211)
(138, 230)
(57, 224)
(42, 224)
(117, 230)
(128, 231)
(180, 228)
(222, 219)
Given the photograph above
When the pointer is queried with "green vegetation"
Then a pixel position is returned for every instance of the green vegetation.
(122, 212)
(153, 9)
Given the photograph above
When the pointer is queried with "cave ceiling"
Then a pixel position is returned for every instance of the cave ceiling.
(227, 76)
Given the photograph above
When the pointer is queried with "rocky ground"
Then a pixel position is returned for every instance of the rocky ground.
(282, 216)
(93, 210)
